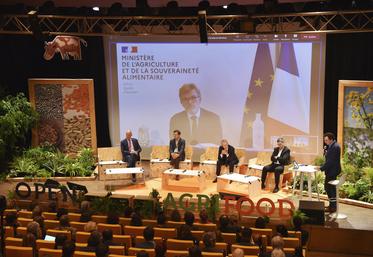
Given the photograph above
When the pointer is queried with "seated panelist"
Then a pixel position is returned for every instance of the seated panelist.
(130, 149)
(226, 157)
(280, 157)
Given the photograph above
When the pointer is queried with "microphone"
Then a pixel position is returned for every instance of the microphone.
(325, 149)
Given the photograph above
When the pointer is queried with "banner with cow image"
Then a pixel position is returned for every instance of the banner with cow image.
(67, 113)
(66, 46)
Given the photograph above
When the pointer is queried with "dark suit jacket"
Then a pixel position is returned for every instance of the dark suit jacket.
(180, 146)
(125, 149)
(332, 165)
(284, 158)
(232, 155)
(209, 127)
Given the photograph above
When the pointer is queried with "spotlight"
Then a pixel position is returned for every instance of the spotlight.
(96, 9)
(225, 6)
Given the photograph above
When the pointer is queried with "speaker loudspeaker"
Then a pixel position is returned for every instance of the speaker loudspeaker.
(314, 210)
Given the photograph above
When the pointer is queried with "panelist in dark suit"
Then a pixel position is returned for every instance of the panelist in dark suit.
(226, 156)
(332, 168)
(177, 149)
(131, 150)
(280, 157)
(198, 125)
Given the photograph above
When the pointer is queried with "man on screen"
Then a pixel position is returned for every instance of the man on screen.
(131, 149)
(331, 167)
(227, 157)
(177, 149)
(197, 124)
(280, 157)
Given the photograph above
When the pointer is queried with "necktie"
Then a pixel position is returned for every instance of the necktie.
(129, 144)
(194, 128)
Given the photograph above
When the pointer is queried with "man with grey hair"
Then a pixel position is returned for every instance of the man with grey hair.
(197, 124)
(226, 157)
(280, 157)
(131, 149)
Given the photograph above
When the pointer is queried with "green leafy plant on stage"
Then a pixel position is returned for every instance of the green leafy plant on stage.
(299, 214)
(105, 205)
(47, 161)
(157, 197)
(16, 119)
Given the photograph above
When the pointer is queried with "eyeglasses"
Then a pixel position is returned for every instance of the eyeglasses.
(191, 98)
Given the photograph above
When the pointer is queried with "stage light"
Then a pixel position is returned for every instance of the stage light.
(96, 9)
(225, 6)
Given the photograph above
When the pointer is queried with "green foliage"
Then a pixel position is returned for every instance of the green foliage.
(368, 173)
(144, 207)
(16, 119)
(107, 205)
(319, 160)
(355, 190)
(367, 197)
(46, 161)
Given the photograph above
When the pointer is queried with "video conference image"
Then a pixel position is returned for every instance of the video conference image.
(249, 90)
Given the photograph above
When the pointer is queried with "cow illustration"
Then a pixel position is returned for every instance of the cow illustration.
(66, 46)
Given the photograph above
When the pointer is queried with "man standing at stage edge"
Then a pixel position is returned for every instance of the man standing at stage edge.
(331, 167)
(131, 149)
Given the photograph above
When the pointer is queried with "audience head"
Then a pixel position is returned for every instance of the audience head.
(68, 249)
(223, 221)
(34, 228)
(282, 230)
(60, 212)
(195, 251)
(189, 218)
(185, 233)
(128, 212)
(94, 239)
(29, 240)
(59, 241)
(297, 222)
(36, 211)
(277, 253)
(11, 219)
(85, 206)
(52, 206)
(90, 226)
(148, 233)
(142, 254)
(277, 242)
(40, 220)
(107, 235)
(112, 218)
(238, 253)
(64, 221)
(246, 234)
(209, 239)
(260, 222)
(85, 216)
(161, 218)
(175, 215)
(102, 250)
(136, 219)
(203, 217)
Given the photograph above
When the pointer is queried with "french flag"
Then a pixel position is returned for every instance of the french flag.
(289, 100)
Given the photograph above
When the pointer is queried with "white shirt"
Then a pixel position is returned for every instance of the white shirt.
(130, 147)
(176, 150)
(197, 115)
(278, 155)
